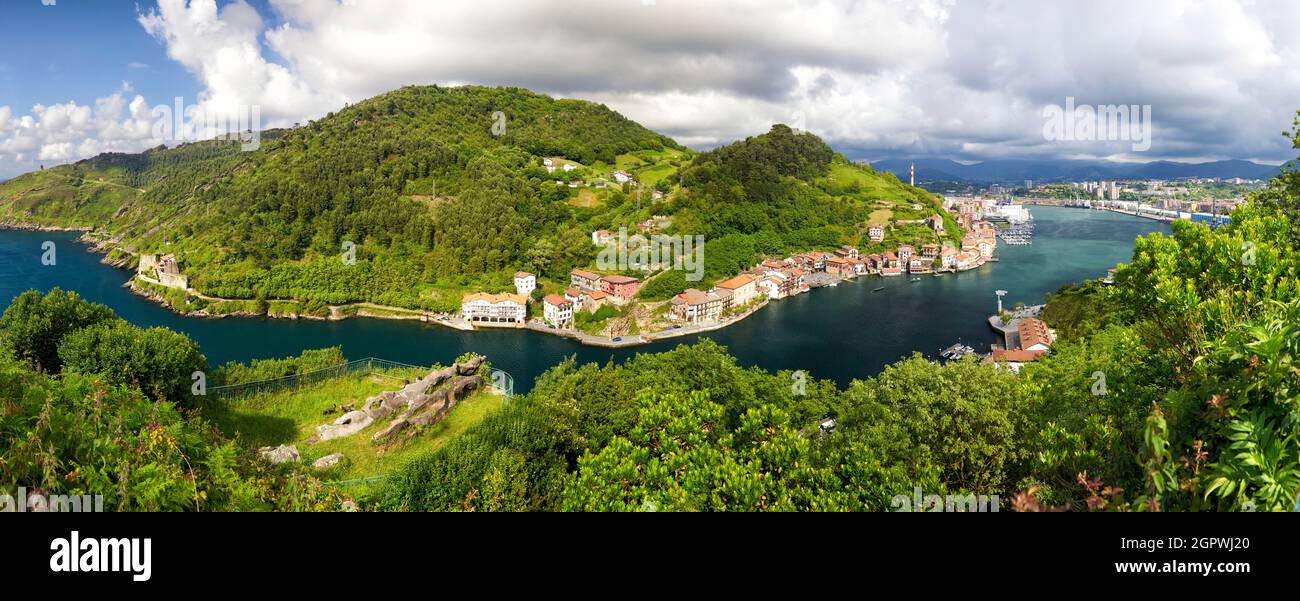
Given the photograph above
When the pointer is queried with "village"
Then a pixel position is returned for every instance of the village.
(695, 310)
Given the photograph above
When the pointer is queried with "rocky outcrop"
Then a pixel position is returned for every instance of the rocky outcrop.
(346, 425)
(280, 454)
(431, 406)
(420, 403)
(329, 461)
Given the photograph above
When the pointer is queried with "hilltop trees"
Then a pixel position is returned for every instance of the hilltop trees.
(680, 456)
(969, 421)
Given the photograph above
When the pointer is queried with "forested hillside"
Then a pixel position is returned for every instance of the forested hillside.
(444, 190)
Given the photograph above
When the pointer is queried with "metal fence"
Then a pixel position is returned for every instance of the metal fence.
(369, 364)
(501, 380)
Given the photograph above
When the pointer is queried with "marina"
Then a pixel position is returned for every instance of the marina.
(957, 351)
(1017, 234)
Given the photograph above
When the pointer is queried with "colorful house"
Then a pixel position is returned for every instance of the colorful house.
(620, 287)
(694, 306)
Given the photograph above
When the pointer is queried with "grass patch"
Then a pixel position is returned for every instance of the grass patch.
(291, 416)
(586, 198)
(880, 217)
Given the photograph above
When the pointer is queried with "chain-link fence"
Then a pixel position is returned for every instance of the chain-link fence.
(369, 364)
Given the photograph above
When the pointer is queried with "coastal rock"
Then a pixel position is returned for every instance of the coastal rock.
(346, 425)
(329, 461)
(280, 454)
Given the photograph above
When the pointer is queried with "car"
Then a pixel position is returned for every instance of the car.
(618, 339)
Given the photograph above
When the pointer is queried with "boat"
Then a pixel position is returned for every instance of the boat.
(878, 289)
(916, 279)
(956, 351)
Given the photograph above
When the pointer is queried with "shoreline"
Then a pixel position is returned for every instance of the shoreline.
(338, 312)
(33, 227)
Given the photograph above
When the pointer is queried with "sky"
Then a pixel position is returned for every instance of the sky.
(967, 80)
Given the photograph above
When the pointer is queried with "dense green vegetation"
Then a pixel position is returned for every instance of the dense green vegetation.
(114, 418)
(257, 370)
(443, 191)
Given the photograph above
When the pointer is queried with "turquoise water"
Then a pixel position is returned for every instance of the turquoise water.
(841, 333)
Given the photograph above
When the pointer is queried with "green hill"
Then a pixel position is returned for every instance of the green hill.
(443, 190)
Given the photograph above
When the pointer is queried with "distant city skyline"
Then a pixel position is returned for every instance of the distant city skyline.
(966, 81)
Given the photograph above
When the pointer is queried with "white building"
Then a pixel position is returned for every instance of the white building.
(621, 176)
(494, 308)
(558, 311)
(525, 283)
(771, 287)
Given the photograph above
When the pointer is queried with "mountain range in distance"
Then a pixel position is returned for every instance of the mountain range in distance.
(1019, 170)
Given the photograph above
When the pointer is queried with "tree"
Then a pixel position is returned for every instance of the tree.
(157, 361)
(967, 419)
(665, 285)
(34, 325)
(680, 457)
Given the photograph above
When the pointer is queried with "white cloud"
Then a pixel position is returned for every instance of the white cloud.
(58, 133)
(962, 78)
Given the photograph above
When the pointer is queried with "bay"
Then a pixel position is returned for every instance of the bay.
(843, 333)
